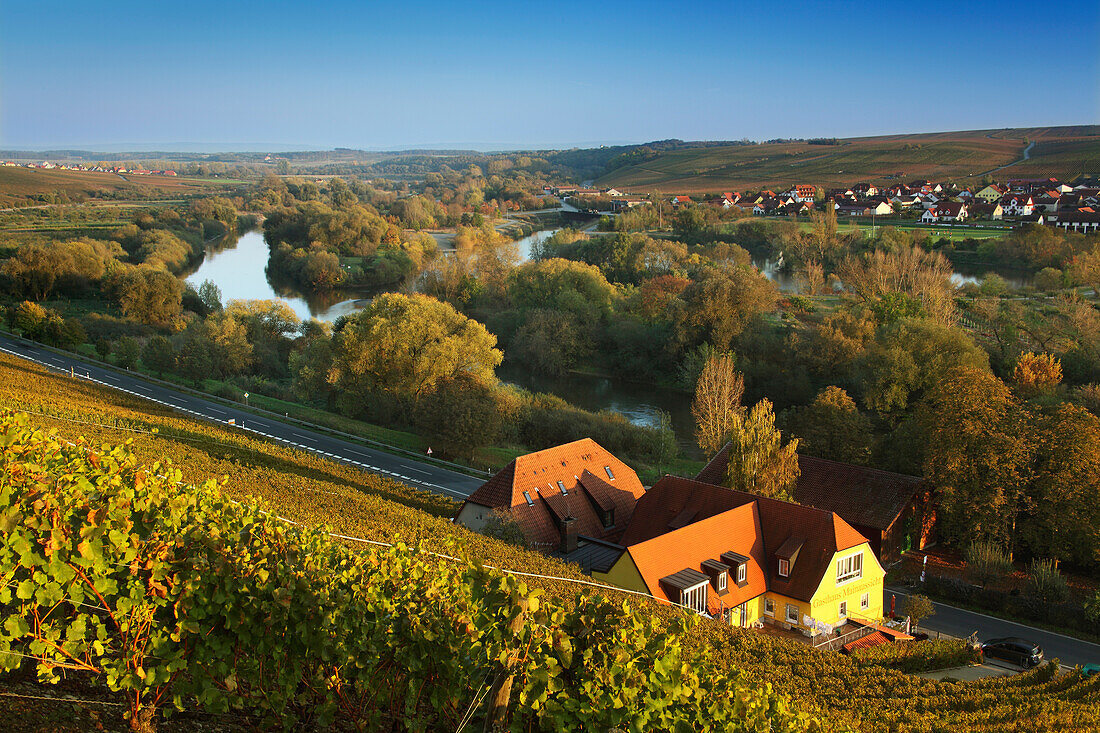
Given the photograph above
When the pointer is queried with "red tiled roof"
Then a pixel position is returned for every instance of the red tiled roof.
(579, 466)
(875, 638)
(736, 530)
(823, 533)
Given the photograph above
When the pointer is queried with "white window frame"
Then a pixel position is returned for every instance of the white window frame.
(722, 580)
(849, 568)
(769, 607)
(865, 601)
(784, 568)
(610, 475)
(741, 573)
(842, 609)
(792, 607)
(695, 598)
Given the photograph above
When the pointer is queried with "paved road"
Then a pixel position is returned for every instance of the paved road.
(962, 623)
(406, 469)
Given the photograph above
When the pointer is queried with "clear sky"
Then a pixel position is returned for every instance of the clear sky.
(518, 74)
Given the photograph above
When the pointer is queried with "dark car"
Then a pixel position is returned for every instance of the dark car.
(1014, 649)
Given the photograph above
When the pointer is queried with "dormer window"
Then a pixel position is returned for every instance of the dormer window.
(723, 578)
(719, 573)
(610, 475)
(739, 567)
(784, 568)
(742, 573)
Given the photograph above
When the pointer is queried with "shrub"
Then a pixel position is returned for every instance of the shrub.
(1045, 582)
(987, 562)
(918, 607)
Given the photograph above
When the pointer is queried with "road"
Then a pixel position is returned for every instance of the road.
(406, 469)
(962, 623)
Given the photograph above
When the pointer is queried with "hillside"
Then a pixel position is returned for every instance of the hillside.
(23, 186)
(965, 157)
(304, 487)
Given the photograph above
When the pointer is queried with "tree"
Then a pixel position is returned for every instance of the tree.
(1045, 583)
(30, 319)
(909, 275)
(832, 427)
(193, 360)
(127, 352)
(1037, 372)
(404, 346)
(975, 456)
(717, 400)
(460, 415)
(759, 462)
(918, 608)
(211, 296)
(158, 355)
(722, 304)
(549, 342)
(148, 295)
(103, 347)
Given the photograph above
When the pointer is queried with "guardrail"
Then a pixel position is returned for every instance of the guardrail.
(256, 410)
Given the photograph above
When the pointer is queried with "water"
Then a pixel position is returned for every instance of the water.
(238, 268)
(527, 243)
(638, 403)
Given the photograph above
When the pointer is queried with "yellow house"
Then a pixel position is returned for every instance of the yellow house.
(746, 558)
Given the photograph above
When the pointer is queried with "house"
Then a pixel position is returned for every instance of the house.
(622, 203)
(990, 193)
(945, 211)
(1046, 203)
(681, 201)
(893, 511)
(1086, 222)
(802, 193)
(560, 498)
(1018, 204)
(905, 201)
(613, 192)
(880, 208)
(852, 210)
(865, 190)
(746, 558)
(993, 212)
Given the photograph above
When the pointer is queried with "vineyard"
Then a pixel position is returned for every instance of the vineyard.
(290, 670)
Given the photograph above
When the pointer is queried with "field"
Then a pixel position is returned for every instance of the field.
(307, 488)
(22, 186)
(965, 157)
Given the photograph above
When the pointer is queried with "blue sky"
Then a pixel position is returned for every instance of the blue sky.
(387, 75)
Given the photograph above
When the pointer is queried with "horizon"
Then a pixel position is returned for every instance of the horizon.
(496, 77)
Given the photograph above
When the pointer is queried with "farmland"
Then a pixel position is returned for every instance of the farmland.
(965, 157)
(28, 186)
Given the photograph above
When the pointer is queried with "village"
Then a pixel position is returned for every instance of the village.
(101, 168)
(1044, 201)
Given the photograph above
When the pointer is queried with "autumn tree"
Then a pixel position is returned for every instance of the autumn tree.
(722, 304)
(759, 463)
(975, 456)
(1037, 372)
(908, 281)
(717, 401)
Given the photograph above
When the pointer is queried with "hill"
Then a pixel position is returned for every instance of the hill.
(28, 186)
(965, 157)
(304, 487)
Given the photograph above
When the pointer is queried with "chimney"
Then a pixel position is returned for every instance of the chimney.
(568, 535)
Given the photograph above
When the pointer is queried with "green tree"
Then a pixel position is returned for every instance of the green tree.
(717, 400)
(148, 295)
(103, 347)
(30, 318)
(158, 355)
(193, 359)
(549, 342)
(918, 608)
(405, 345)
(759, 462)
(127, 352)
(832, 427)
(460, 415)
(211, 296)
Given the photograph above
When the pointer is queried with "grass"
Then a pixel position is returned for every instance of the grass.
(961, 156)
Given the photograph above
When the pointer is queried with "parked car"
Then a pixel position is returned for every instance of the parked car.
(1014, 649)
(1090, 669)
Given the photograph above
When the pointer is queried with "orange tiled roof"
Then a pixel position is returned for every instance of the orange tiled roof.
(684, 502)
(736, 530)
(875, 638)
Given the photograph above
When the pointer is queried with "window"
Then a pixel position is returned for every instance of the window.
(865, 601)
(722, 580)
(695, 598)
(792, 614)
(609, 474)
(608, 518)
(784, 568)
(561, 485)
(527, 496)
(769, 607)
(843, 612)
(741, 573)
(849, 568)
